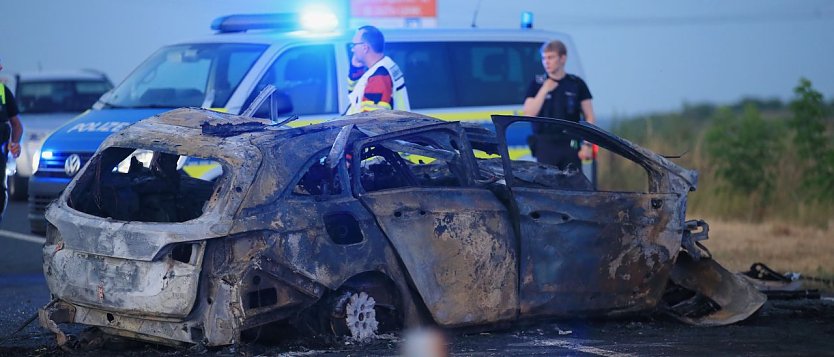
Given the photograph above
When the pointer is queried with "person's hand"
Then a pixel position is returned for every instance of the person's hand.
(355, 62)
(14, 148)
(549, 85)
(586, 152)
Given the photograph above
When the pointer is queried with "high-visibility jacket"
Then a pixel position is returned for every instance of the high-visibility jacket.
(3, 116)
(399, 95)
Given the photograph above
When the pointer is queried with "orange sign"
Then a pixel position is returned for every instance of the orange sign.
(393, 8)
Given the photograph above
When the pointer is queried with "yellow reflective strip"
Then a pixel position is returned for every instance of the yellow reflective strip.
(2, 94)
(472, 116)
(517, 152)
(418, 159)
(221, 110)
(370, 106)
(300, 123)
(198, 170)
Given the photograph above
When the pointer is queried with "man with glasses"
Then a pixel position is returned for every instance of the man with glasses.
(375, 81)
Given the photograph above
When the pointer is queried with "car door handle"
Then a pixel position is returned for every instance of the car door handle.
(550, 217)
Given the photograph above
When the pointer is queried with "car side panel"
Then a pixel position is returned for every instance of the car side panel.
(458, 247)
(595, 253)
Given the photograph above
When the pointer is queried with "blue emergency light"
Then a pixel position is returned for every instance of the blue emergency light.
(317, 21)
(526, 20)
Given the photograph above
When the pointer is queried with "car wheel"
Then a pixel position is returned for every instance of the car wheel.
(18, 188)
(362, 314)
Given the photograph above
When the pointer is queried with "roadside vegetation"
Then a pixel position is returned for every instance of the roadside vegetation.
(766, 175)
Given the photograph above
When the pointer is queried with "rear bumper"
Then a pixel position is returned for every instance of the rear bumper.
(229, 296)
(170, 333)
(164, 287)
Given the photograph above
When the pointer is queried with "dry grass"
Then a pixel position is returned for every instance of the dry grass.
(783, 247)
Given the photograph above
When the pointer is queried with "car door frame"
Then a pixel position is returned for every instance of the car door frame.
(595, 252)
(480, 234)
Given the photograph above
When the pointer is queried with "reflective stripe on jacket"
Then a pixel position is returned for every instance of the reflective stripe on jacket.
(399, 93)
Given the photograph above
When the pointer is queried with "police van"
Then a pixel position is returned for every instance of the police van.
(451, 74)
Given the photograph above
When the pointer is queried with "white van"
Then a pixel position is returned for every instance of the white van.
(451, 74)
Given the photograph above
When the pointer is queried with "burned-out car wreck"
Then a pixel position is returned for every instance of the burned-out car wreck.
(193, 227)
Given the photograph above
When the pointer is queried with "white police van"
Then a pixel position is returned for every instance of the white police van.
(451, 74)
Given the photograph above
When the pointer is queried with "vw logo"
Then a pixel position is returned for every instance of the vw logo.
(72, 165)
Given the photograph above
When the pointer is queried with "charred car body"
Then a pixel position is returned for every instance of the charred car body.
(370, 222)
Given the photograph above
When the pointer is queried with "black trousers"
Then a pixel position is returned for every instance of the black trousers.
(5, 134)
(555, 151)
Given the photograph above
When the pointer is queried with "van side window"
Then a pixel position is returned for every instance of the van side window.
(494, 73)
(466, 74)
(428, 73)
(308, 76)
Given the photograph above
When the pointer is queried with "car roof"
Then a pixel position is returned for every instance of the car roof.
(59, 75)
(227, 125)
(398, 35)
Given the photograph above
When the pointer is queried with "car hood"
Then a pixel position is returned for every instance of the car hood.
(45, 121)
(85, 132)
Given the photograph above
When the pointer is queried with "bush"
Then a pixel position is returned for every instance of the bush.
(744, 151)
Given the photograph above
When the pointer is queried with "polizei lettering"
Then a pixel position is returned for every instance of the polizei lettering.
(107, 126)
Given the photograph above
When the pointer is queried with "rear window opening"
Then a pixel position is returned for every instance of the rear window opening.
(130, 184)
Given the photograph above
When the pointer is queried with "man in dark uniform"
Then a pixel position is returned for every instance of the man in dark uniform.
(561, 95)
(10, 132)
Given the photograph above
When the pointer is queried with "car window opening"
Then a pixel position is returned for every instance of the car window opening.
(141, 185)
(412, 162)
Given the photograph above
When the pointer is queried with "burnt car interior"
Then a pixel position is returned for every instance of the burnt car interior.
(428, 159)
(130, 184)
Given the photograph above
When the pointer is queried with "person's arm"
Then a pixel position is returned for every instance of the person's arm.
(355, 71)
(588, 111)
(378, 92)
(587, 152)
(14, 121)
(533, 105)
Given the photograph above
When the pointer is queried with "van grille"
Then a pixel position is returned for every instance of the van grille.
(54, 167)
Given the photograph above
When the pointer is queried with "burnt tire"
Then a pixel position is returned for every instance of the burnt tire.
(361, 313)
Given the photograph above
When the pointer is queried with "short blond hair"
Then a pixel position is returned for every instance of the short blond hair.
(555, 46)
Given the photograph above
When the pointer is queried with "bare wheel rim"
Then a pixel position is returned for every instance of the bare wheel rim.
(360, 316)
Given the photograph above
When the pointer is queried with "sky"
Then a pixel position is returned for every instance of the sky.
(638, 56)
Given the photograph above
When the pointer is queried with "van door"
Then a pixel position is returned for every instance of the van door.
(455, 240)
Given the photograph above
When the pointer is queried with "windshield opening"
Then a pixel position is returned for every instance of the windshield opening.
(59, 96)
(194, 75)
(130, 184)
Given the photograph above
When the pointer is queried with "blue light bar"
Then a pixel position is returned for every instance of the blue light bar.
(315, 20)
(245, 22)
(526, 20)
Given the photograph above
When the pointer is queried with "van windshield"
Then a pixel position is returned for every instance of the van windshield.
(59, 96)
(193, 75)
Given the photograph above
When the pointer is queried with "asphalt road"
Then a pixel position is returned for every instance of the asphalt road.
(802, 327)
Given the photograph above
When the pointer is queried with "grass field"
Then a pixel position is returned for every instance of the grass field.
(783, 247)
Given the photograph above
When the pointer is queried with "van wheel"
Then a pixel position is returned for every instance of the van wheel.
(18, 188)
